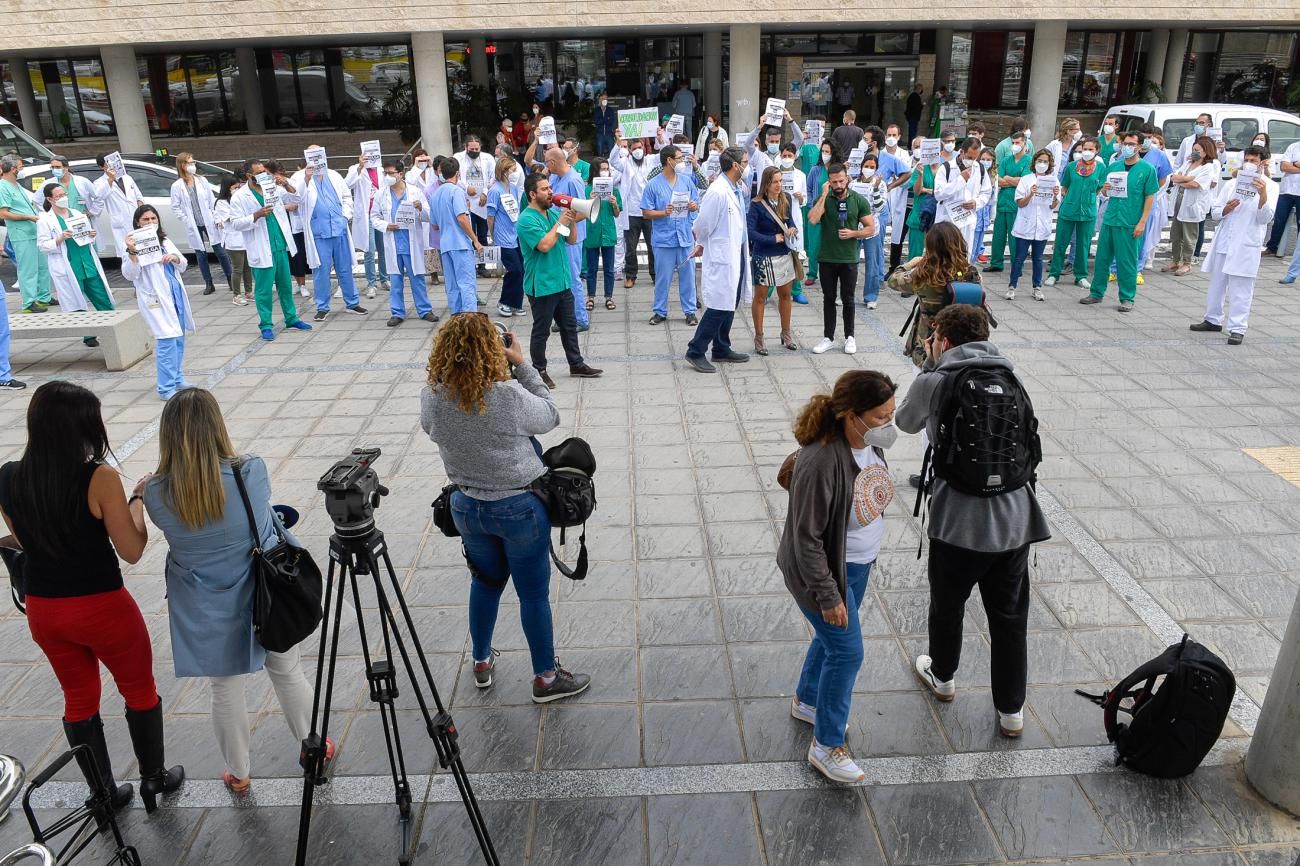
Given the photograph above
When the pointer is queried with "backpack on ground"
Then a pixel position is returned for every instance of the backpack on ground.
(1173, 723)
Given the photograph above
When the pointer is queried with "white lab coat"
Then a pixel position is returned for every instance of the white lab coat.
(358, 180)
(381, 213)
(62, 279)
(307, 197)
(231, 238)
(120, 206)
(632, 178)
(485, 169)
(951, 190)
(1197, 202)
(90, 203)
(898, 197)
(153, 294)
(1240, 236)
(421, 179)
(701, 142)
(180, 201)
(796, 211)
(1034, 220)
(257, 240)
(720, 229)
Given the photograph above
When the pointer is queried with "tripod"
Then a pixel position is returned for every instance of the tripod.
(357, 552)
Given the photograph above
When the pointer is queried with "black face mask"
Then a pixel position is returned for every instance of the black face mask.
(472, 154)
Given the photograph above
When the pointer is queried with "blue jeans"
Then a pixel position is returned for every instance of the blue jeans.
(873, 263)
(669, 261)
(334, 253)
(6, 373)
(1286, 205)
(1020, 250)
(396, 299)
(715, 328)
(374, 251)
(462, 283)
(603, 256)
(504, 539)
(512, 284)
(576, 289)
(834, 657)
(982, 220)
(1294, 270)
(222, 259)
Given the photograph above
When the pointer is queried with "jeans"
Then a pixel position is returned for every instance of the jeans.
(604, 143)
(982, 221)
(503, 539)
(1200, 239)
(1293, 271)
(873, 266)
(230, 720)
(1003, 579)
(632, 236)
(396, 297)
(715, 328)
(512, 284)
(202, 257)
(576, 290)
(334, 253)
(603, 256)
(1020, 249)
(834, 657)
(669, 261)
(553, 308)
(374, 251)
(1286, 206)
(6, 372)
(462, 283)
(841, 277)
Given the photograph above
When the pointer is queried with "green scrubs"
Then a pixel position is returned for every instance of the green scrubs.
(33, 268)
(275, 279)
(1076, 218)
(1004, 218)
(1116, 242)
(915, 237)
(82, 261)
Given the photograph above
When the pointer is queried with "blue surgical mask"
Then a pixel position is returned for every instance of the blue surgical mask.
(57, 172)
(1199, 128)
(773, 148)
(987, 163)
(1146, 145)
(1128, 151)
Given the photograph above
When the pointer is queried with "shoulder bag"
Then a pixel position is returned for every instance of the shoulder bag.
(286, 586)
(780, 270)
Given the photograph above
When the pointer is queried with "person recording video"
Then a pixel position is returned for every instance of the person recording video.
(483, 405)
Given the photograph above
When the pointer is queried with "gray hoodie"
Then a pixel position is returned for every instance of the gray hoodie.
(989, 524)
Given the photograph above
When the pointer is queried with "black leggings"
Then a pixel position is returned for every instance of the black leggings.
(845, 276)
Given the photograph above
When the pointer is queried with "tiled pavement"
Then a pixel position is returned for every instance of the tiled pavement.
(683, 750)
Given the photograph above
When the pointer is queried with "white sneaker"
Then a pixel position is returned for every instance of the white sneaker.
(338, 293)
(1038, 294)
(1011, 294)
(835, 764)
(1084, 284)
(370, 290)
(304, 291)
(823, 346)
(850, 346)
(1051, 281)
(240, 301)
(871, 305)
(1011, 724)
(803, 712)
(943, 690)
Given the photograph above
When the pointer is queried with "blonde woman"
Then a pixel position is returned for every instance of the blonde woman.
(195, 501)
(192, 201)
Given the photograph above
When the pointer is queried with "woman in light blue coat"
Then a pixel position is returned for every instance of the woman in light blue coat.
(195, 501)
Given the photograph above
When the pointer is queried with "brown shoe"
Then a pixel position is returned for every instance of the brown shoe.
(546, 378)
(629, 282)
(584, 371)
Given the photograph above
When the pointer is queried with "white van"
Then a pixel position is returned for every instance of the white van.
(1240, 124)
(14, 140)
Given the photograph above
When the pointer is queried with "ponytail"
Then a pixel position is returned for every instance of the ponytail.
(816, 422)
(855, 392)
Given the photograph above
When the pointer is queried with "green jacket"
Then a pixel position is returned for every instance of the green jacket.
(603, 232)
(1080, 200)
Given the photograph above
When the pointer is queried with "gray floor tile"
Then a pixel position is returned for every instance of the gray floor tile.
(678, 621)
(1144, 814)
(817, 828)
(1236, 805)
(680, 673)
(1048, 817)
(582, 832)
(577, 737)
(695, 830)
(931, 824)
(691, 732)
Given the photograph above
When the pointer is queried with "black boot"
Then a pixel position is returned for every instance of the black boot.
(91, 733)
(209, 289)
(146, 728)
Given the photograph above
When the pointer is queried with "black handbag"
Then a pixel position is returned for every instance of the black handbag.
(568, 491)
(442, 517)
(15, 559)
(286, 586)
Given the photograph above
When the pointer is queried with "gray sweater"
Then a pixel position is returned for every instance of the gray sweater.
(491, 456)
(811, 554)
(991, 524)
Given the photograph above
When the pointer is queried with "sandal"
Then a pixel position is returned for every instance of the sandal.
(235, 785)
(787, 340)
(760, 347)
(591, 304)
(1183, 271)
(610, 305)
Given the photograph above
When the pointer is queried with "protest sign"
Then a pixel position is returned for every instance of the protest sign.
(930, 150)
(113, 162)
(406, 215)
(638, 122)
(775, 113)
(316, 161)
(148, 249)
(676, 126)
(1117, 181)
(373, 153)
(546, 131)
(82, 231)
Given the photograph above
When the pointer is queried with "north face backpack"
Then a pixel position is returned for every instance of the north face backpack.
(986, 440)
(1177, 704)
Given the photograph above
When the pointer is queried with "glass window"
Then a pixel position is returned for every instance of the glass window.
(795, 43)
(1013, 75)
(153, 183)
(892, 43)
(1254, 68)
(1176, 129)
(1098, 71)
(14, 140)
(1239, 132)
(841, 43)
(959, 69)
(71, 98)
(1282, 134)
(580, 70)
(376, 70)
(9, 100)
(1071, 64)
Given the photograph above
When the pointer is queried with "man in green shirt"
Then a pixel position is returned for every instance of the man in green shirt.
(19, 214)
(848, 221)
(1010, 171)
(1108, 141)
(1130, 190)
(543, 236)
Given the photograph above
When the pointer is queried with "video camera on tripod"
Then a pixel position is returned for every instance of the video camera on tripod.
(353, 492)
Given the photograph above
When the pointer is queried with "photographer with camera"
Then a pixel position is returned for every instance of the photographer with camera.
(483, 416)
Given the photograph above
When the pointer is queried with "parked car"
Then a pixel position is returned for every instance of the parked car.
(214, 173)
(1240, 124)
(14, 140)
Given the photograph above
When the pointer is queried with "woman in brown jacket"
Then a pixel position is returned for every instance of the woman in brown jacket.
(927, 277)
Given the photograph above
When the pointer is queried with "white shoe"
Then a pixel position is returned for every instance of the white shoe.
(1084, 284)
(823, 346)
(850, 346)
(371, 291)
(1038, 294)
(240, 301)
(304, 291)
(835, 764)
(338, 293)
(871, 305)
(1051, 281)
(1011, 724)
(1011, 294)
(942, 690)
(803, 712)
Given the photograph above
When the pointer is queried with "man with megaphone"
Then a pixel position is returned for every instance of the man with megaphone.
(566, 182)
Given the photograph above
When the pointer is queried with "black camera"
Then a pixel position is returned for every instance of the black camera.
(506, 339)
(352, 492)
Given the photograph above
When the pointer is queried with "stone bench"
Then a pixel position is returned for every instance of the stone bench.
(122, 334)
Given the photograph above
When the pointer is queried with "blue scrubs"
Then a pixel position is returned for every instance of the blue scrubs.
(402, 247)
(334, 247)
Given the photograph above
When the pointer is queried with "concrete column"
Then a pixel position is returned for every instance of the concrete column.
(1156, 54)
(713, 73)
(942, 62)
(429, 65)
(123, 81)
(1177, 51)
(1045, 78)
(478, 65)
(745, 68)
(1275, 749)
(28, 114)
(250, 91)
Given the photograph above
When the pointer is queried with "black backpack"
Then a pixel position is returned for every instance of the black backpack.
(1175, 723)
(986, 441)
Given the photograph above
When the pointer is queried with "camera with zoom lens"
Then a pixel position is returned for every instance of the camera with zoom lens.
(352, 491)
(506, 339)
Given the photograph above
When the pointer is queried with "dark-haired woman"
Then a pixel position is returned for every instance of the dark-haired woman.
(162, 300)
(76, 274)
(839, 490)
(66, 508)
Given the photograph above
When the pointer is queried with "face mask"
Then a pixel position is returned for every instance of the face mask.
(1128, 151)
(826, 158)
(1198, 155)
(1028, 135)
(1017, 148)
(773, 149)
(638, 153)
(787, 163)
(1260, 143)
(1078, 155)
(603, 103)
(604, 172)
(1089, 155)
(1040, 167)
(1076, 135)
(507, 126)
(422, 165)
(60, 202)
(536, 110)
(880, 437)
(1199, 128)
(390, 181)
(949, 146)
(709, 124)
(191, 168)
(868, 173)
(1109, 129)
(968, 163)
(473, 154)
(987, 163)
(891, 140)
(1146, 145)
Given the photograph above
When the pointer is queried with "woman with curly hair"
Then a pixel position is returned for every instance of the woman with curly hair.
(927, 277)
(483, 406)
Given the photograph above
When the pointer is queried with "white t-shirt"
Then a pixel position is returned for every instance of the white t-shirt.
(1291, 182)
(873, 490)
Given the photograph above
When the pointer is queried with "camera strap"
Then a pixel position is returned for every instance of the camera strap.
(579, 570)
